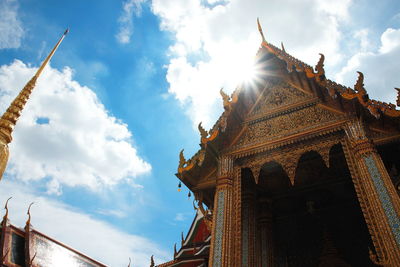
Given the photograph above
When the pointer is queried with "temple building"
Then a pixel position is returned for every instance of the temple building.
(28, 247)
(297, 171)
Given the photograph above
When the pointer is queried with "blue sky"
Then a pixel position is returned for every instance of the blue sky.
(126, 89)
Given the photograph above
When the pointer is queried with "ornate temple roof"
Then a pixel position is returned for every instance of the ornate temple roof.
(242, 108)
(29, 247)
(195, 247)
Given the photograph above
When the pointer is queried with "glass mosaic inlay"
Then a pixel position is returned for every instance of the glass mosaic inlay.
(384, 197)
(219, 228)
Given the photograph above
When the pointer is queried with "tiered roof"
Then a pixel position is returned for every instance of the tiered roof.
(198, 173)
(195, 247)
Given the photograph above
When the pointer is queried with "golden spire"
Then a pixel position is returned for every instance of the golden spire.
(13, 112)
(5, 218)
(261, 31)
(28, 222)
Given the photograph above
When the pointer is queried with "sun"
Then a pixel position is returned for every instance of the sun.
(249, 72)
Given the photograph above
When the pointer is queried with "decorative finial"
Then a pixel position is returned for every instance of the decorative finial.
(152, 261)
(5, 218)
(28, 222)
(225, 99)
(398, 97)
(189, 195)
(13, 112)
(283, 48)
(359, 86)
(320, 65)
(203, 132)
(261, 31)
(182, 239)
(175, 252)
(129, 264)
(182, 159)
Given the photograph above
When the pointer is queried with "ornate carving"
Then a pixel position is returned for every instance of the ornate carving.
(255, 170)
(376, 108)
(398, 97)
(320, 65)
(185, 165)
(359, 86)
(204, 134)
(286, 124)
(278, 94)
(207, 214)
(289, 156)
(225, 166)
(355, 130)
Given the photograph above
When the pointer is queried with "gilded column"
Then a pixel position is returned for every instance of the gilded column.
(222, 242)
(377, 196)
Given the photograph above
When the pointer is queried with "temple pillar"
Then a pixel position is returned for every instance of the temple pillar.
(377, 196)
(248, 226)
(222, 242)
(265, 257)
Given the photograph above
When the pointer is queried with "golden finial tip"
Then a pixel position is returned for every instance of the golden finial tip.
(7, 202)
(260, 30)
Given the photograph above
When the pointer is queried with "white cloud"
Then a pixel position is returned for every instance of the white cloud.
(11, 31)
(129, 8)
(81, 145)
(97, 239)
(214, 43)
(180, 217)
(380, 67)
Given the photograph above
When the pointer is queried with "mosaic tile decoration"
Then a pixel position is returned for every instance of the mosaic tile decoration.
(245, 235)
(219, 229)
(384, 197)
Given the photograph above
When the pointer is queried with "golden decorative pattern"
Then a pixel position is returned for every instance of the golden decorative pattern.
(278, 94)
(286, 124)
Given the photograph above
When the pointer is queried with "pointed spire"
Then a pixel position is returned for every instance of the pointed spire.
(320, 65)
(175, 252)
(13, 112)
(152, 261)
(28, 222)
(359, 86)
(182, 238)
(129, 265)
(203, 132)
(283, 47)
(261, 31)
(5, 218)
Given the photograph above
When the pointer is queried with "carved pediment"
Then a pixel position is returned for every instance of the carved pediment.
(298, 121)
(278, 94)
